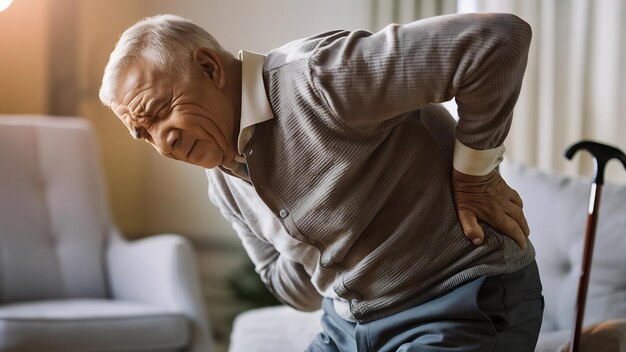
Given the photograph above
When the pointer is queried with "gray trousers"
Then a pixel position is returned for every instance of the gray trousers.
(497, 313)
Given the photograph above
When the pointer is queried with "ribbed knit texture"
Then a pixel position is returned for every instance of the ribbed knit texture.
(351, 192)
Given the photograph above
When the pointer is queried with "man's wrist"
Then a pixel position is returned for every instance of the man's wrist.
(476, 162)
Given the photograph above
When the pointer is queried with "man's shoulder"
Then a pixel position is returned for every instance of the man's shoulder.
(300, 49)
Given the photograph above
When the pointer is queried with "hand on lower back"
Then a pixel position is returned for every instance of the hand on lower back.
(490, 199)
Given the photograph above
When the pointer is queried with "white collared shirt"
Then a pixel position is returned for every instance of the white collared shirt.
(255, 107)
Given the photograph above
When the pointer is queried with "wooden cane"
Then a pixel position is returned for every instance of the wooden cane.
(601, 155)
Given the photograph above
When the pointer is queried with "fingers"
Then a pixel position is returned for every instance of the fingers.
(511, 228)
(514, 226)
(491, 200)
(513, 208)
(516, 212)
(516, 232)
(472, 230)
(515, 198)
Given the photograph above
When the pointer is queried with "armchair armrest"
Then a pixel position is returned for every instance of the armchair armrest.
(607, 336)
(160, 271)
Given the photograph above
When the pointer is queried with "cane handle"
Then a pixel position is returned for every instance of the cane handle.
(601, 153)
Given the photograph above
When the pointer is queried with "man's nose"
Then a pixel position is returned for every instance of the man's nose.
(166, 139)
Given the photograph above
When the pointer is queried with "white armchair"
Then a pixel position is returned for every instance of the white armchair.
(68, 279)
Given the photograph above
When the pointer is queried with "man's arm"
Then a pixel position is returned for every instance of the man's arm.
(479, 59)
(286, 279)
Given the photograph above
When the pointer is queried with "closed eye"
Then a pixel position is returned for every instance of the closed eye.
(135, 132)
(138, 133)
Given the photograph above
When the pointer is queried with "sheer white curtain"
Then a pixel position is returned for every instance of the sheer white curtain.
(383, 12)
(575, 83)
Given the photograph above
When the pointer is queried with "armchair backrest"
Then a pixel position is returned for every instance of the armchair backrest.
(54, 218)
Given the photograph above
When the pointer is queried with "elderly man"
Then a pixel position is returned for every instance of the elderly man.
(349, 187)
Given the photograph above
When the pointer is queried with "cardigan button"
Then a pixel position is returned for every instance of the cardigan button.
(283, 213)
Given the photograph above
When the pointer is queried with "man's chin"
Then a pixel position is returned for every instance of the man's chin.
(205, 154)
(207, 164)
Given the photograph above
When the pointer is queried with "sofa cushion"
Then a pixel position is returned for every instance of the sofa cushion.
(274, 329)
(90, 325)
(556, 209)
(552, 341)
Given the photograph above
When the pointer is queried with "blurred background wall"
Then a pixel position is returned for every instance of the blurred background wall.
(24, 57)
(53, 53)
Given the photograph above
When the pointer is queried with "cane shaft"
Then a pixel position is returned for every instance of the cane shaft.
(583, 284)
(601, 153)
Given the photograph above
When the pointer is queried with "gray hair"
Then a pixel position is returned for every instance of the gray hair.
(165, 41)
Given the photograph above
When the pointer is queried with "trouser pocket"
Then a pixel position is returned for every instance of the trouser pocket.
(505, 298)
(514, 303)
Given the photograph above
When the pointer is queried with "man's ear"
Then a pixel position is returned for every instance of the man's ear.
(211, 64)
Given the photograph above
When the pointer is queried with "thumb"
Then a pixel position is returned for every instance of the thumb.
(472, 230)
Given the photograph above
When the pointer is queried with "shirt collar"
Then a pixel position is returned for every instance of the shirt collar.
(255, 107)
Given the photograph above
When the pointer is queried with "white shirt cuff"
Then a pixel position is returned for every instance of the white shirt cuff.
(476, 162)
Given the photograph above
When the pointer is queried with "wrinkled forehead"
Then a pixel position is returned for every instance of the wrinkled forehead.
(140, 82)
(131, 81)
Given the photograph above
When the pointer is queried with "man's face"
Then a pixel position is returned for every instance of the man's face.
(190, 121)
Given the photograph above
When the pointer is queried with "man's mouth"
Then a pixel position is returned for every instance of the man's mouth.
(190, 149)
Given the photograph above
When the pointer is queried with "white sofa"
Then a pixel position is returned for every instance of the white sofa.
(556, 208)
(68, 279)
